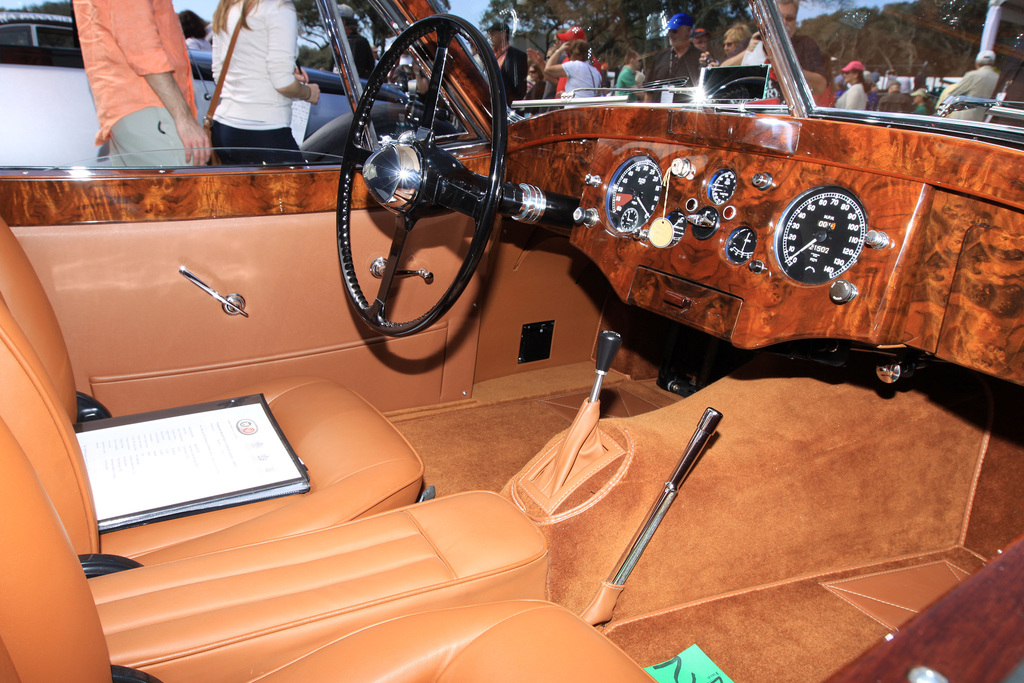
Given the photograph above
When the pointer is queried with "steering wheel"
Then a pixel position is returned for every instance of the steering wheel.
(411, 176)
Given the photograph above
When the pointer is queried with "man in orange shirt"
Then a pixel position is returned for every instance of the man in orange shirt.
(141, 81)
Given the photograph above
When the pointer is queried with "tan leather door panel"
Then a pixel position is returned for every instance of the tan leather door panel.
(142, 337)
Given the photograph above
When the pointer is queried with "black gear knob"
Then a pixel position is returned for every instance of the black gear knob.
(608, 344)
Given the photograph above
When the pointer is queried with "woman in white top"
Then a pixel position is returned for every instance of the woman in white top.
(252, 123)
(855, 96)
(581, 77)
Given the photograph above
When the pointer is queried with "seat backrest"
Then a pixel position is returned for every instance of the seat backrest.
(32, 410)
(38, 398)
(22, 291)
(49, 627)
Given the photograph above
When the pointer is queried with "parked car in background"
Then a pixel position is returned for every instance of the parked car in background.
(55, 117)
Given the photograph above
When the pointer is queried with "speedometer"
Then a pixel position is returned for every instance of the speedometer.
(820, 234)
(633, 193)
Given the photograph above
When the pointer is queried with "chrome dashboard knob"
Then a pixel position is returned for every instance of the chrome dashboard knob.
(842, 291)
(587, 217)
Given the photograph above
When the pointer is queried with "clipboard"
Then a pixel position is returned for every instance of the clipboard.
(171, 463)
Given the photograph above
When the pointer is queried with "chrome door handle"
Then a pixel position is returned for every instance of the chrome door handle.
(233, 304)
(380, 263)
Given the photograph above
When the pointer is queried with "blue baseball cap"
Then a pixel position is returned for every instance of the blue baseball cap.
(677, 20)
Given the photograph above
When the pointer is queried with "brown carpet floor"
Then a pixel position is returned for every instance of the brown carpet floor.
(819, 481)
(479, 444)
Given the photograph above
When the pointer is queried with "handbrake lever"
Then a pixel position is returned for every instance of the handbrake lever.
(600, 609)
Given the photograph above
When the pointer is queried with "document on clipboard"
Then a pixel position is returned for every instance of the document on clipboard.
(171, 463)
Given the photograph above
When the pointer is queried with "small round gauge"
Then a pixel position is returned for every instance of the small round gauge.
(740, 245)
(721, 186)
(705, 222)
(667, 231)
(820, 234)
(633, 193)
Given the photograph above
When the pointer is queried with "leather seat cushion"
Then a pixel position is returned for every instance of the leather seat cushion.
(359, 465)
(501, 642)
(266, 602)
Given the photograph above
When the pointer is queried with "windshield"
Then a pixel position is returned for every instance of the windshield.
(933, 63)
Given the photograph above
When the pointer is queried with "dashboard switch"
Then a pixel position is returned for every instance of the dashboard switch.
(842, 291)
(763, 181)
(592, 180)
(876, 239)
(587, 217)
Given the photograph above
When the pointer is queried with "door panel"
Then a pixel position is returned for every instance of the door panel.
(142, 337)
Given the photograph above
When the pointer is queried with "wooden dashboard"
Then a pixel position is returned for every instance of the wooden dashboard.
(948, 281)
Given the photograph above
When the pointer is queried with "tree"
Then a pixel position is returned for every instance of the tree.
(612, 26)
(63, 8)
(319, 53)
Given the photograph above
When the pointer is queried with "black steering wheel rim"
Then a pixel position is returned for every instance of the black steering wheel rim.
(482, 209)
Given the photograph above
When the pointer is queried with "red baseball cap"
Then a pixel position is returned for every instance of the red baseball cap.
(855, 65)
(575, 33)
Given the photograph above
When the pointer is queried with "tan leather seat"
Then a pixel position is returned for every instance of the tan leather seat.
(50, 629)
(358, 463)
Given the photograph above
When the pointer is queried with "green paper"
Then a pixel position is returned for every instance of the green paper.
(689, 666)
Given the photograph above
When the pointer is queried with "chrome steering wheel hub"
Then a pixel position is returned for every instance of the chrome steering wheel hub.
(394, 173)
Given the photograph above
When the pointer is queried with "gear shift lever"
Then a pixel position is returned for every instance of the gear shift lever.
(582, 445)
(608, 344)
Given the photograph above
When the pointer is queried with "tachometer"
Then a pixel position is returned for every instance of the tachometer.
(721, 186)
(633, 193)
(820, 234)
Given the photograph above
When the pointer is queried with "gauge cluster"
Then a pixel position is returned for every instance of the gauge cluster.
(769, 231)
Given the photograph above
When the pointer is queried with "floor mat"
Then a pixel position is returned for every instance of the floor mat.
(616, 401)
(799, 630)
(479, 444)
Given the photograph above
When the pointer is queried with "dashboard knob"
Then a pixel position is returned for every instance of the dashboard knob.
(890, 373)
(842, 291)
(763, 181)
(592, 180)
(587, 217)
(876, 239)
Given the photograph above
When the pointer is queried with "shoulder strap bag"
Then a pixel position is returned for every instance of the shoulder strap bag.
(215, 100)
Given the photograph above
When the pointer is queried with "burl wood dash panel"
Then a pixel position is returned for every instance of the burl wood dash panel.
(775, 308)
(984, 327)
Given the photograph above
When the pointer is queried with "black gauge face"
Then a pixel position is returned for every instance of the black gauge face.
(740, 245)
(820, 235)
(667, 231)
(705, 222)
(721, 186)
(633, 194)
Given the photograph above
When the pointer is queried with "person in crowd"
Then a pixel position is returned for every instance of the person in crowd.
(871, 79)
(362, 53)
(564, 38)
(981, 82)
(512, 61)
(535, 83)
(856, 96)
(736, 39)
(194, 29)
(922, 102)
(581, 76)
(253, 121)
(630, 76)
(808, 54)
(895, 100)
(141, 81)
(680, 61)
(701, 39)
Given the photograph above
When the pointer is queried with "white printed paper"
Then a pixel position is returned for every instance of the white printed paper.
(170, 461)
